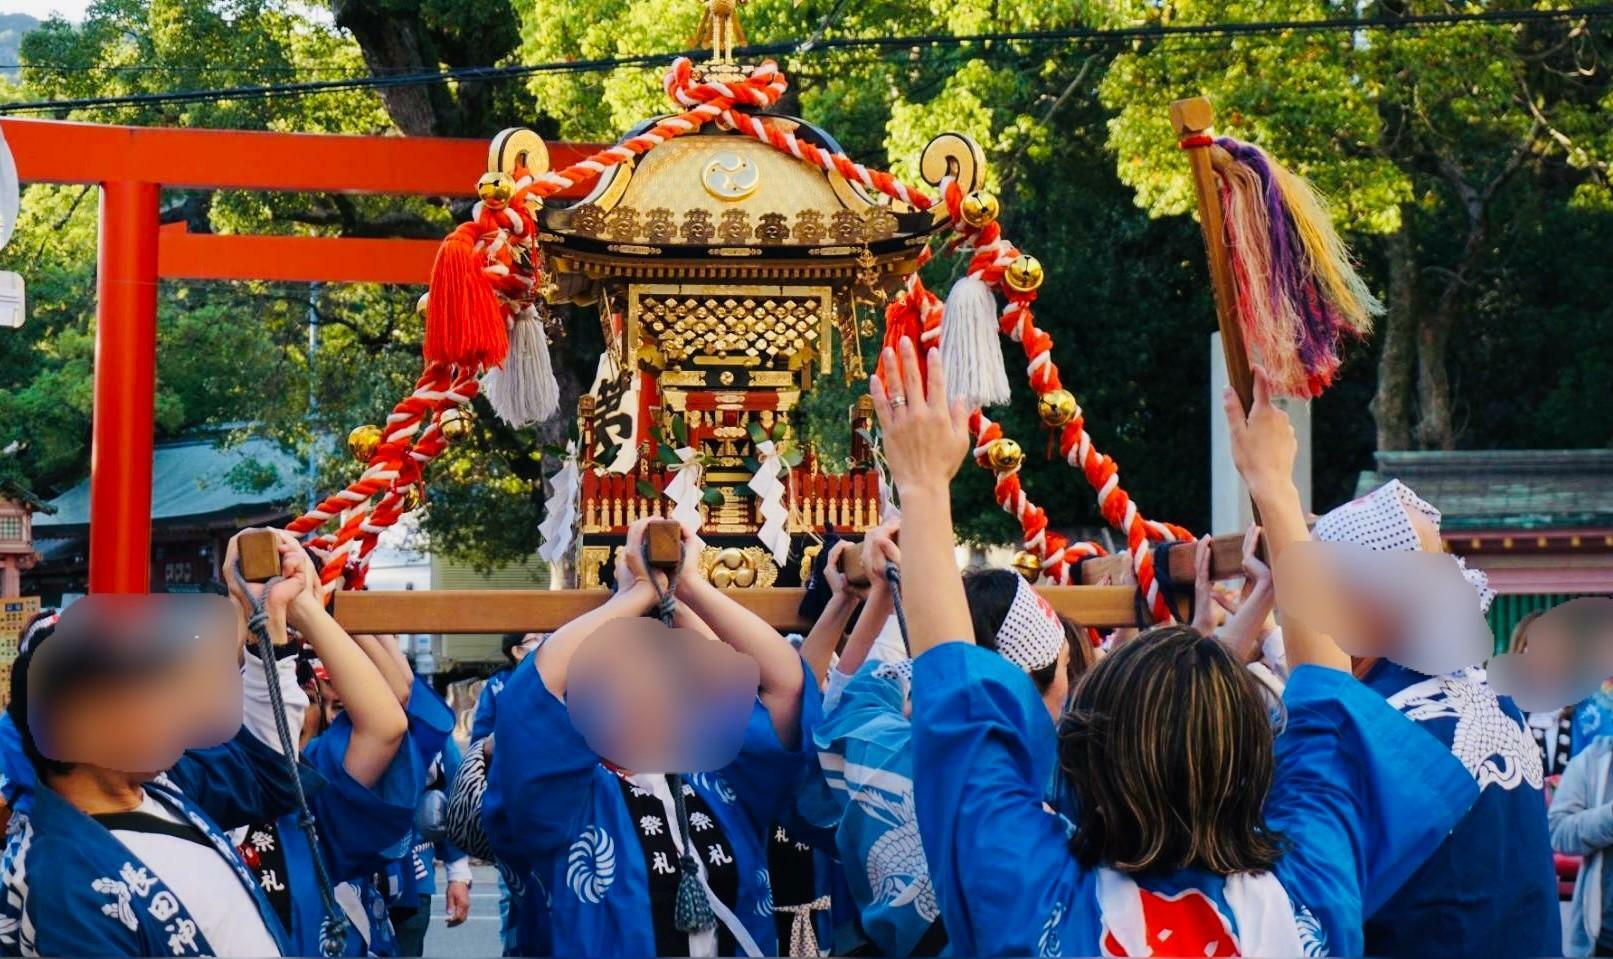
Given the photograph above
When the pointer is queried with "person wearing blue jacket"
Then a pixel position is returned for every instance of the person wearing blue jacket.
(103, 862)
(516, 647)
(1195, 833)
(411, 880)
(526, 924)
(622, 853)
(360, 826)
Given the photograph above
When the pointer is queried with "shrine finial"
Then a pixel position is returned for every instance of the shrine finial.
(720, 28)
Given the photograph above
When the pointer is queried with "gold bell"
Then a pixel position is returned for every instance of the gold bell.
(1028, 564)
(1004, 455)
(413, 498)
(495, 190)
(980, 208)
(363, 441)
(455, 424)
(1024, 274)
(1056, 407)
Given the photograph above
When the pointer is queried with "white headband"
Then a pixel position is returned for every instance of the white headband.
(1381, 520)
(1032, 633)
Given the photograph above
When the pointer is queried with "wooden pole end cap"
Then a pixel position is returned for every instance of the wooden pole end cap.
(1193, 115)
(259, 553)
(851, 566)
(663, 538)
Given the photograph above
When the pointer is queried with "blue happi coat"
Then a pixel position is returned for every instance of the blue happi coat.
(865, 751)
(1490, 888)
(414, 874)
(431, 722)
(16, 771)
(551, 808)
(72, 889)
(360, 829)
(487, 703)
(1361, 794)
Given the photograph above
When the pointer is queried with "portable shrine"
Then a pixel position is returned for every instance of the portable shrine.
(731, 253)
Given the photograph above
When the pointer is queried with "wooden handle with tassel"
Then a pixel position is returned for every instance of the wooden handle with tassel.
(1192, 120)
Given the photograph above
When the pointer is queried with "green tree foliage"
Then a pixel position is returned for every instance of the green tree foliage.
(1425, 138)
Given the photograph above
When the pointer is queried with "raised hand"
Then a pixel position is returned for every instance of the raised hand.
(1256, 574)
(925, 437)
(1204, 605)
(879, 550)
(689, 569)
(294, 598)
(839, 586)
(1264, 448)
(631, 559)
(1263, 441)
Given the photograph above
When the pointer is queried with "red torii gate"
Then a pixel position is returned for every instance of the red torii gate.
(132, 165)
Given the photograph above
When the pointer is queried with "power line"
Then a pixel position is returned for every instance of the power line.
(493, 74)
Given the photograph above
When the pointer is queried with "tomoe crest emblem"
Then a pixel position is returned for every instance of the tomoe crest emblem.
(591, 865)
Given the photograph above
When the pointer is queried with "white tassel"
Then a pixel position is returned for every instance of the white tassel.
(971, 350)
(524, 391)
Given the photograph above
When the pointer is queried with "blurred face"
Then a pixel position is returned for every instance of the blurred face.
(652, 699)
(131, 683)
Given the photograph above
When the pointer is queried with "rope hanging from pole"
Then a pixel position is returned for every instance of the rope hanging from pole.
(334, 927)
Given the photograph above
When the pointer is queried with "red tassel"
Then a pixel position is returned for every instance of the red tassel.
(464, 321)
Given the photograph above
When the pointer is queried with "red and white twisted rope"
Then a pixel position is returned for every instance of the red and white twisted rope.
(394, 466)
(1057, 555)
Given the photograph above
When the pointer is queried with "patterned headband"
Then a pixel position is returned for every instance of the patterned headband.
(1032, 633)
(1381, 520)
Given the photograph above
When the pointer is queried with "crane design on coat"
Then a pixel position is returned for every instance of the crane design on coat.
(898, 873)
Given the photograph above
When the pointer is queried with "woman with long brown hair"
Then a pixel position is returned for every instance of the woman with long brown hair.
(1195, 832)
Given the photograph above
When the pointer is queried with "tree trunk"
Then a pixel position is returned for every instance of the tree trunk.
(396, 44)
(1435, 428)
(1391, 407)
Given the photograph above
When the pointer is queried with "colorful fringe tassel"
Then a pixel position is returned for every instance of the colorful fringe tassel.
(1298, 291)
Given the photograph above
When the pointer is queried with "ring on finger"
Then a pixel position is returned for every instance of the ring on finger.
(898, 401)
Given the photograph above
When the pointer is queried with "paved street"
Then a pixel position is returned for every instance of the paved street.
(478, 937)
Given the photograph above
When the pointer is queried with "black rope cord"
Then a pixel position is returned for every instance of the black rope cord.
(692, 912)
(333, 930)
(893, 576)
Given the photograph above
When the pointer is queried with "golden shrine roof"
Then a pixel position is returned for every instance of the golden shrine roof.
(717, 194)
